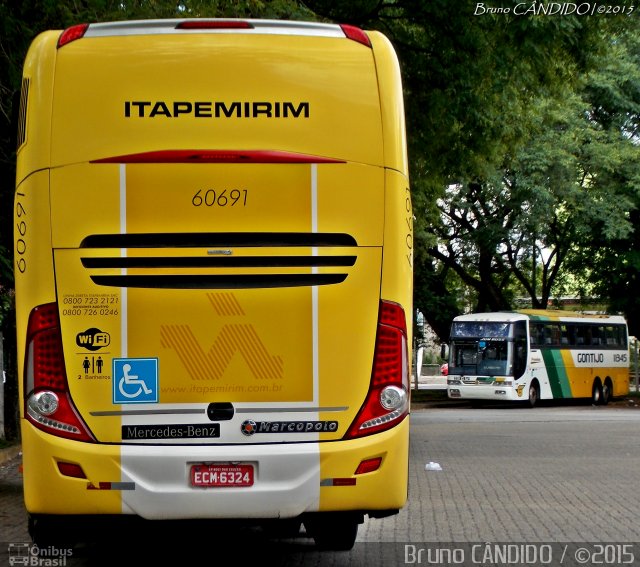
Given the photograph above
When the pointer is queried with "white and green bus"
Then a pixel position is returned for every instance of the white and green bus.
(530, 355)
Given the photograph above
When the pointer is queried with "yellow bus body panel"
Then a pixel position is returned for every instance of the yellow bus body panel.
(336, 78)
(39, 68)
(391, 106)
(382, 489)
(47, 491)
(581, 380)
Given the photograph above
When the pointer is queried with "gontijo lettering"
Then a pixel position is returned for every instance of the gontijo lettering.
(211, 109)
(595, 357)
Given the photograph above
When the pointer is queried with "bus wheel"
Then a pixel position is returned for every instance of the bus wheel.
(40, 531)
(334, 532)
(48, 530)
(596, 393)
(606, 393)
(534, 394)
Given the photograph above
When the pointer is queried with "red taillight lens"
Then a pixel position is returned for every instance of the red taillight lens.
(71, 34)
(217, 156)
(390, 355)
(214, 25)
(356, 34)
(47, 360)
(48, 404)
(387, 402)
(392, 314)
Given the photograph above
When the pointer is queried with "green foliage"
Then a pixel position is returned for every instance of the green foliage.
(558, 216)
(437, 293)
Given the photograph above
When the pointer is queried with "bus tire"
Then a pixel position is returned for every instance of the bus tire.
(606, 392)
(534, 394)
(596, 393)
(46, 530)
(333, 532)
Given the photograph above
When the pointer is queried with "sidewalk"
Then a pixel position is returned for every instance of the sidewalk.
(8, 453)
(13, 514)
(430, 382)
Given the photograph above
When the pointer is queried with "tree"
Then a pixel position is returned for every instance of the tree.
(571, 188)
(610, 261)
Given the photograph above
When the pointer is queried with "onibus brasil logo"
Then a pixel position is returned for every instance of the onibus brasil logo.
(31, 554)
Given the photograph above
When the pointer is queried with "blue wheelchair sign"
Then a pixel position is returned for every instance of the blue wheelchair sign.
(135, 380)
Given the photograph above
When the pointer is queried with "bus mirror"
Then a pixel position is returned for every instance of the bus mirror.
(444, 350)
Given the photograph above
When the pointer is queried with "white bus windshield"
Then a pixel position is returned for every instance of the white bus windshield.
(477, 329)
(481, 348)
(480, 357)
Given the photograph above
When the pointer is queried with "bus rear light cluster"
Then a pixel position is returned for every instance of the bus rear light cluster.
(48, 404)
(72, 34)
(387, 402)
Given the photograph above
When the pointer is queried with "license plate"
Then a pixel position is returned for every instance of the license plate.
(221, 475)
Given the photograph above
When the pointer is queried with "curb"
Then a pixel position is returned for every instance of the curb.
(420, 406)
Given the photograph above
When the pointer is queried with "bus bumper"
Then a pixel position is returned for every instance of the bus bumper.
(154, 481)
(493, 392)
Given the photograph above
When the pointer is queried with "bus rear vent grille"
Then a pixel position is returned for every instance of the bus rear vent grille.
(22, 113)
(217, 240)
(203, 271)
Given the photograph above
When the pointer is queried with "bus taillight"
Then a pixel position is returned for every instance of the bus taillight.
(214, 25)
(387, 402)
(356, 34)
(48, 404)
(71, 34)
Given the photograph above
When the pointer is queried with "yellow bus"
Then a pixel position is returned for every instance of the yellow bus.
(213, 257)
(530, 355)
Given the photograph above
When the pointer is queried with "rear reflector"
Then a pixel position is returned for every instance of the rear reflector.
(369, 465)
(338, 482)
(217, 156)
(71, 34)
(71, 469)
(214, 25)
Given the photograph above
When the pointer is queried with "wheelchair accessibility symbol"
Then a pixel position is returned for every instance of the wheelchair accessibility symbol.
(135, 380)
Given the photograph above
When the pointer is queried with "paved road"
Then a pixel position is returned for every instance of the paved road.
(512, 475)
